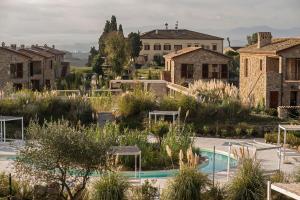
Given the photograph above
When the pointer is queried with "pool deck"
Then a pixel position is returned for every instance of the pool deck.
(268, 158)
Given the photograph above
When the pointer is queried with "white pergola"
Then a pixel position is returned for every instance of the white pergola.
(291, 190)
(129, 151)
(255, 147)
(3, 121)
(157, 113)
(285, 128)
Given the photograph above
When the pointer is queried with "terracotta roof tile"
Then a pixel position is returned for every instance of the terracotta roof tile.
(15, 51)
(178, 34)
(30, 51)
(189, 50)
(277, 44)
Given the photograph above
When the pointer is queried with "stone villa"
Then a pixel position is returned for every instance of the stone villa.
(35, 68)
(193, 63)
(163, 41)
(270, 71)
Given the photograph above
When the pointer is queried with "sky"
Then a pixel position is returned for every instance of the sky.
(75, 22)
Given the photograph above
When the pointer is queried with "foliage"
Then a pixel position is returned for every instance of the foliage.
(158, 60)
(111, 186)
(136, 102)
(297, 175)
(58, 152)
(248, 183)
(252, 39)
(145, 192)
(160, 129)
(97, 64)
(20, 189)
(47, 105)
(116, 50)
(189, 184)
(291, 138)
(214, 91)
(135, 44)
(215, 193)
(93, 53)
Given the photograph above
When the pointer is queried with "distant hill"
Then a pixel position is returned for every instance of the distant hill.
(77, 59)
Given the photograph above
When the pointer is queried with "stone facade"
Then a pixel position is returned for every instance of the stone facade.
(265, 70)
(41, 66)
(173, 39)
(197, 59)
(8, 58)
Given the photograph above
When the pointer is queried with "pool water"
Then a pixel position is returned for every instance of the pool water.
(207, 167)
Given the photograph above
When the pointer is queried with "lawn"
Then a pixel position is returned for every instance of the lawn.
(74, 69)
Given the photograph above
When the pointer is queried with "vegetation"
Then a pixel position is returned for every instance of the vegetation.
(252, 39)
(111, 186)
(292, 139)
(248, 183)
(59, 152)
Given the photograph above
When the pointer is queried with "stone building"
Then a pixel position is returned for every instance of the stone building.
(193, 63)
(157, 43)
(35, 67)
(270, 71)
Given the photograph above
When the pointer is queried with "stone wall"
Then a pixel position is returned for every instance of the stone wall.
(197, 58)
(253, 87)
(7, 58)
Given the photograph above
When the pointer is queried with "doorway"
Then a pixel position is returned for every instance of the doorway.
(293, 98)
(274, 99)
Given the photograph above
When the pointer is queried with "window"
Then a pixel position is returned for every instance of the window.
(177, 47)
(202, 46)
(146, 58)
(187, 71)
(167, 47)
(205, 71)
(261, 64)
(146, 47)
(196, 45)
(293, 69)
(189, 45)
(157, 47)
(51, 64)
(215, 73)
(48, 84)
(16, 70)
(246, 67)
(224, 71)
(293, 98)
(214, 47)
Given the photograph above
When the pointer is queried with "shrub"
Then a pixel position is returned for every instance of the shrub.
(272, 112)
(291, 138)
(145, 192)
(160, 129)
(248, 183)
(189, 184)
(111, 186)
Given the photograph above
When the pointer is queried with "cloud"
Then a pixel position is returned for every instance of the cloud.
(82, 20)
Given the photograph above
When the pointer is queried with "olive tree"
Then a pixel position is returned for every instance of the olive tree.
(58, 152)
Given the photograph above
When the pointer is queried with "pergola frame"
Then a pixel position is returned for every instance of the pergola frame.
(285, 128)
(3, 121)
(256, 147)
(291, 190)
(164, 113)
(129, 151)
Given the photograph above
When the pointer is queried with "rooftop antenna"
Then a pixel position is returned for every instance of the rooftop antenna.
(166, 24)
(176, 25)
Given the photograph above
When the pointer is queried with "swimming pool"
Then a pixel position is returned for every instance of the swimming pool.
(207, 167)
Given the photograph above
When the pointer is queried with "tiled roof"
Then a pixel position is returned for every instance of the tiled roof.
(277, 44)
(49, 50)
(15, 51)
(181, 34)
(189, 50)
(30, 51)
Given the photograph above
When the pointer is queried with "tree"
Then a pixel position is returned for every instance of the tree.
(60, 153)
(113, 24)
(106, 27)
(135, 44)
(93, 53)
(252, 39)
(97, 64)
(116, 51)
(121, 29)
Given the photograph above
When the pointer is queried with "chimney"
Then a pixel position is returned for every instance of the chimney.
(53, 46)
(263, 39)
(166, 24)
(156, 31)
(45, 45)
(22, 46)
(13, 46)
(176, 25)
(3, 44)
